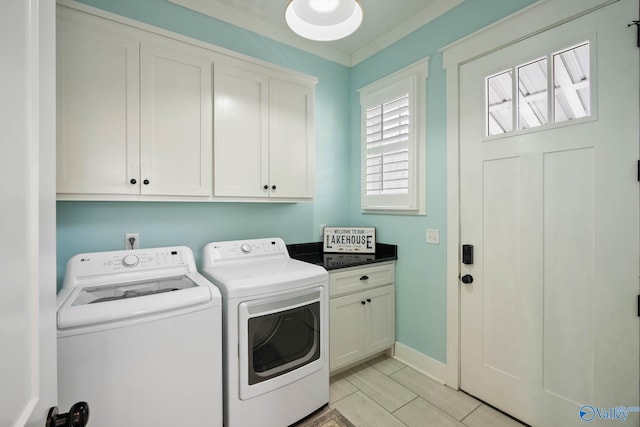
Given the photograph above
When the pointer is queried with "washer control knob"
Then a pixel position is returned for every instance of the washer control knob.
(245, 248)
(130, 261)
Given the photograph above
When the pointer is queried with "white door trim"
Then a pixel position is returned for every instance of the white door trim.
(532, 20)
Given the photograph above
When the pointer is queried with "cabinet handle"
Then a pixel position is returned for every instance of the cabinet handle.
(273, 187)
(266, 187)
(368, 299)
(364, 278)
(362, 302)
(145, 182)
(133, 181)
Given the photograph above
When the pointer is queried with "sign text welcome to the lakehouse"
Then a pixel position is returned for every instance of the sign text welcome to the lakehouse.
(350, 239)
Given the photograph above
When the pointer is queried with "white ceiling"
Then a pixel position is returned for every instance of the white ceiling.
(385, 22)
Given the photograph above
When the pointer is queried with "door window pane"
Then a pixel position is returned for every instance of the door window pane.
(572, 83)
(567, 73)
(532, 94)
(500, 103)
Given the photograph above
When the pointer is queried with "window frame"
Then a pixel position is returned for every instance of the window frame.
(411, 80)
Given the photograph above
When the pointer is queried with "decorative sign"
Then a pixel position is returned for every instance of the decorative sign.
(350, 239)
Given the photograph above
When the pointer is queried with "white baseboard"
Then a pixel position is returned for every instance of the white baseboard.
(420, 362)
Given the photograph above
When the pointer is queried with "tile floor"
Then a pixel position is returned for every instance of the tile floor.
(385, 392)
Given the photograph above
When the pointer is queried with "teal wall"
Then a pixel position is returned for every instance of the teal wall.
(421, 272)
(421, 295)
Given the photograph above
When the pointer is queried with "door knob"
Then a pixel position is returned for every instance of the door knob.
(78, 416)
(467, 279)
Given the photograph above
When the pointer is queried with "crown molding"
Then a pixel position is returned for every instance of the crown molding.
(255, 21)
(420, 19)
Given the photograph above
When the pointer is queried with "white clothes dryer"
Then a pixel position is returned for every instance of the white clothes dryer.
(275, 332)
(139, 339)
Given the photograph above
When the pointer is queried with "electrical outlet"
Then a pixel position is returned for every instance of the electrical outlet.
(433, 236)
(132, 241)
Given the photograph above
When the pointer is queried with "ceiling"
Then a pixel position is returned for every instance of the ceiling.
(384, 23)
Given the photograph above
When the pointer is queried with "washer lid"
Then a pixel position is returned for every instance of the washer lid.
(142, 288)
(108, 303)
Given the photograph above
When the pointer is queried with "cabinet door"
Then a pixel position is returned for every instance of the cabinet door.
(97, 110)
(176, 122)
(291, 140)
(346, 330)
(241, 154)
(380, 318)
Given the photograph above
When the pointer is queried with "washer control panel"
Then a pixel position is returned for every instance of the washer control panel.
(131, 260)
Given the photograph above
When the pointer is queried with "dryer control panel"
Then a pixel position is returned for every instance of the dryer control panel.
(219, 252)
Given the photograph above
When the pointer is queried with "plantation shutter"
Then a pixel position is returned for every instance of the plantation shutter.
(388, 147)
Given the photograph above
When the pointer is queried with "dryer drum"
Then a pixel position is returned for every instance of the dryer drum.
(281, 342)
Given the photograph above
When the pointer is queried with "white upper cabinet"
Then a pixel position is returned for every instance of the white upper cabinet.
(264, 134)
(135, 117)
(175, 122)
(291, 139)
(241, 151)
(98, 137)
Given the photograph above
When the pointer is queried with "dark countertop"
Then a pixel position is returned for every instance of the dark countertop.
(312, 253)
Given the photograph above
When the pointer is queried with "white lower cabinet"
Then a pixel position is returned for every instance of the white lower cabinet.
(361, 314)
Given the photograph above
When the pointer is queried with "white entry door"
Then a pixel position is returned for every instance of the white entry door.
(27, 216)
(549, 200)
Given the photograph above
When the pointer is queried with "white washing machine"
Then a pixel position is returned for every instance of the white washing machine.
(275, 332)
(139, 339)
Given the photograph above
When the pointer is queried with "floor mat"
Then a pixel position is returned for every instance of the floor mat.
(332, 418)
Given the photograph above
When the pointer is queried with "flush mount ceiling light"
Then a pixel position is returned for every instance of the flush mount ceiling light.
(323, 20)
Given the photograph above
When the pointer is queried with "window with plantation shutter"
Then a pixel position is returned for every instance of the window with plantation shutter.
(393, 117)
(388, 147)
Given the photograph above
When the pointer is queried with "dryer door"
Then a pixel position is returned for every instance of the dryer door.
(280, 340)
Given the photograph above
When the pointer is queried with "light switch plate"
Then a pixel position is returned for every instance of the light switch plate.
(433, 236)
